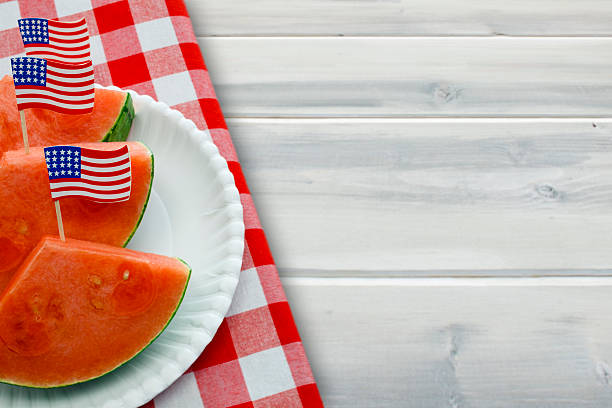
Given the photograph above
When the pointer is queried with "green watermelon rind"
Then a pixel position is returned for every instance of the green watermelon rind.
(121, 128)
(146, 203)
(178, 305)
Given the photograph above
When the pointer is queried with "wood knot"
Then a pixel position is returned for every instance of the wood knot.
(445, 93)
(547, 192)
(603, 372)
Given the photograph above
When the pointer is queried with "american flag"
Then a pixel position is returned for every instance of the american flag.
(64, 41)
(104, 176)
(65, 88)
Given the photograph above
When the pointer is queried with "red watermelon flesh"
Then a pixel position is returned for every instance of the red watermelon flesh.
(28, 212)
(76, 310)
(110, 120)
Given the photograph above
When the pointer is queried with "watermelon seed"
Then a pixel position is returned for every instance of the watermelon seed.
(126, 275)
(95, 279)
(22, 226)
(35, 306)
(97, 304)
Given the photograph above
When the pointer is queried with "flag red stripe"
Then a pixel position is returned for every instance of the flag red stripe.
(55, 108)
(103, 165)
(83, 32)
(56, 56)
(89, 190)
(67, 41)
(34, 53)
(35, 94)
(103, 154)
(35, 88)
(105, 174)
(65, 24)
(83, 76)
(57, 47)
(98, 200)
(70, 76)
(70, 84)
(56, 99)
(91, 182)
(63, 65)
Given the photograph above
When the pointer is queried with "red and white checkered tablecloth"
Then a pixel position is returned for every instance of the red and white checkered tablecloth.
(256, 358)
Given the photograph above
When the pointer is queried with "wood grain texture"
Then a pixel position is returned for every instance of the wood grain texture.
(346, 115)
(411, 77)
(400, 17)
(430, 197)
(457, 343)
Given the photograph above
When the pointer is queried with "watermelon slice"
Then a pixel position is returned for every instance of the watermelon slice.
(28, 212)
(77, 310)
(110, 121)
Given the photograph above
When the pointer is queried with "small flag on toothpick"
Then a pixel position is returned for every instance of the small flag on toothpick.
(104, 176)
(62, 88)
(63, 41)
(65, 88)
(98, 175)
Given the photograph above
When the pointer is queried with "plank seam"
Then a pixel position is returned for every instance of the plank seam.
(476, 282)
(450, 273)
(428, 119)
(423, 35)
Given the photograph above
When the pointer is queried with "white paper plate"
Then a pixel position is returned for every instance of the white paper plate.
(194, 213)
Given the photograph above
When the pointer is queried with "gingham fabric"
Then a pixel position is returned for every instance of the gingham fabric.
(256, 358)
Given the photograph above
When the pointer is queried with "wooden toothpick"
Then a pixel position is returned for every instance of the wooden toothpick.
(24, 132)
(60, 223)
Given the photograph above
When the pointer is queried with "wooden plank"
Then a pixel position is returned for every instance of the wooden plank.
(406, 197)
(408, 77)
(457, 343)
(392, 17)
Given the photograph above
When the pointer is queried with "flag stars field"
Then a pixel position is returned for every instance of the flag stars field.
(34, 30)
(65, 158)
(34, 68)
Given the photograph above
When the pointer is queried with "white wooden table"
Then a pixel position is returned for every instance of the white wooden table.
(435, 181)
